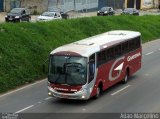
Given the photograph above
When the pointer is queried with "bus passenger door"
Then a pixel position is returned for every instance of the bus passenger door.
(92, 67)
(92, 73)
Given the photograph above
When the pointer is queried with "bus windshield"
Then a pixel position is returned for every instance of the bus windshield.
(68, 70)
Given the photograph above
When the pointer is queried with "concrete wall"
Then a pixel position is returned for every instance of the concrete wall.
(38, 6)
(146, 4)
(35, 5)
(7, 5)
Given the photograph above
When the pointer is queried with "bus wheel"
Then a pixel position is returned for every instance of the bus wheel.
(98, 92)
(125, 78)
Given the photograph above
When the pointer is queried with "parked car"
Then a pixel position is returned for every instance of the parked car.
(131, 11)
(18, 15)
(63, 13)
(48, 16)
(105, 11)
(118, 11)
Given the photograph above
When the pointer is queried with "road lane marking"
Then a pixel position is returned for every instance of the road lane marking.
(120, 90)
(21, 88)
(47, 98)
(39, 102)
(146, 74)
(24, 109)
(149, 53)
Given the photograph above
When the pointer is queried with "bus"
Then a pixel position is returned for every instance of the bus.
(86, 68)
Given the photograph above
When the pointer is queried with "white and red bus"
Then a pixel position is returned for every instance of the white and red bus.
(86, 68)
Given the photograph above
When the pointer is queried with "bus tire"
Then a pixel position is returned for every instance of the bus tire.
(125, 78)
(98, 92)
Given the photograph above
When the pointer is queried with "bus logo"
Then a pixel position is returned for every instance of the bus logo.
(133, 57)
(119, 68)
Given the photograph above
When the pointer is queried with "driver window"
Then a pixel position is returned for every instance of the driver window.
(91, 67)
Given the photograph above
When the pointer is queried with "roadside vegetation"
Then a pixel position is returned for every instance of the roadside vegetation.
(24, 47)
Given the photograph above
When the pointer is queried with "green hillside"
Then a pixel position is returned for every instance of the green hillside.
(25, 46)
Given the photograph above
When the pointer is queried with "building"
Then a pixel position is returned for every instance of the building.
(76, 5)
(34, 5)
(142, 4)
(121, 4)
(116, 4)
(39, 6)
(43, 5)
(1, 5)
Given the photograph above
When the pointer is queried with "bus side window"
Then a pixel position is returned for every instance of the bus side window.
(137, 42)
(110, 54)
(91, 67)
(131, 45)
(125, 47)
(118, 50)
(101, 58)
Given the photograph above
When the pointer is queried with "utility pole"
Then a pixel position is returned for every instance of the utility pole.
(57, 4)
(74, 5)
(134, 3)
(4, 6)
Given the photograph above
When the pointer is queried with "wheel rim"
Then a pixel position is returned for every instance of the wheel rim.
(126, 78)
(98, 92)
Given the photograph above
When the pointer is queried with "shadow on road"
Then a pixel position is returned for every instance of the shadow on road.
(73, 102)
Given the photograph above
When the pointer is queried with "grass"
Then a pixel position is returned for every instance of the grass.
(25, 46)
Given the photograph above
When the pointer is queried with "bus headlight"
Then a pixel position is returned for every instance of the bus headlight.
(83, 96)
(82, 91)
(49, 93)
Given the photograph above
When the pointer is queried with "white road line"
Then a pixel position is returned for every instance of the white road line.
(24, 109)
(149, 53)
(39, 102)
(120, 90)
(47, 98)
(21, 88)
(146, 74)
(158, 49)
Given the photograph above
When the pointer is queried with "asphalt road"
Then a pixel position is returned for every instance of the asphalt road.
(140, 94)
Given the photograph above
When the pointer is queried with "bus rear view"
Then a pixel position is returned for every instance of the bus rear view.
(86, 68)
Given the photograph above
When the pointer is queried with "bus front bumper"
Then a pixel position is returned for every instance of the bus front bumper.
(80, 95)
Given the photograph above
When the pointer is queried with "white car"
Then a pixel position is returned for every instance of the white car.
(48, 16)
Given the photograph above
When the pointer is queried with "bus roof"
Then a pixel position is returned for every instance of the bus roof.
(88, 46)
